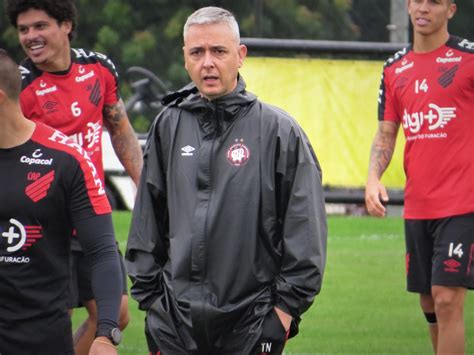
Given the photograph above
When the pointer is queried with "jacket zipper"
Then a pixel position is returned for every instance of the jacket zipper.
(204, 274)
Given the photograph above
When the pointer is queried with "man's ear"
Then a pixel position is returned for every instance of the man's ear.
(67, 25)
(452, 10)
(242, 54)
(185, 60)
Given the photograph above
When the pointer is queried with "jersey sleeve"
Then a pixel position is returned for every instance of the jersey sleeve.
(109, 71)
(96, 236)
(88, 196)
(386, 102)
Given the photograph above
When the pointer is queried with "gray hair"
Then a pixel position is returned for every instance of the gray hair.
(212, 15)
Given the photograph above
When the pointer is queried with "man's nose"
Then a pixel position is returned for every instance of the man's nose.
(208, 59)
(424, 6)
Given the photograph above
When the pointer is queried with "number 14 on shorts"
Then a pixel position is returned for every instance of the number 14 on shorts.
(456, 250)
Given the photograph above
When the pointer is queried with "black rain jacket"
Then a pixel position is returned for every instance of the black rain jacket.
(229, 219)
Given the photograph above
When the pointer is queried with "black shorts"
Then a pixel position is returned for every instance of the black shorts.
(440, 252)
(80, 282)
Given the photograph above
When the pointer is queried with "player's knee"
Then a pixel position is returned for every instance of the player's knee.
(444, 302)
(447, 303)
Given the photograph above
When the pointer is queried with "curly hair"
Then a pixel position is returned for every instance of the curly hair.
(60, 10)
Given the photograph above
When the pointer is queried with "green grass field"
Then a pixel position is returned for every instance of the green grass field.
(363, 307)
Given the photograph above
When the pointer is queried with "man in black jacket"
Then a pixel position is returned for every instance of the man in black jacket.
(228, 239)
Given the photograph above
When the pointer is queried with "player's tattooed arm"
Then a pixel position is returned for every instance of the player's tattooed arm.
(380, 156)
(382, 148)
(124, 139)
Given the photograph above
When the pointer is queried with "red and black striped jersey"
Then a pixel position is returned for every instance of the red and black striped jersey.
(48, 185)
(432, 96)
(72, 101)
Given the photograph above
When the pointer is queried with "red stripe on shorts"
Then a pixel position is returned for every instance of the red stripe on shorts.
(470, 259)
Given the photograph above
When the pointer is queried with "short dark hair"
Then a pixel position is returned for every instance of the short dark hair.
(10, 77)
(60, 10)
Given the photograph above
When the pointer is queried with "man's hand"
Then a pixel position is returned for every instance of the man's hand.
(285, 318)
(375, 194)
(102, 346)
(380, 156)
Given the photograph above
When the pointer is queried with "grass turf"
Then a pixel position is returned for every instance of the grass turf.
(363, 307)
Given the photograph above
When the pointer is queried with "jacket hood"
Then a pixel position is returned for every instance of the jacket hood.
(214, 116)
(188, 98)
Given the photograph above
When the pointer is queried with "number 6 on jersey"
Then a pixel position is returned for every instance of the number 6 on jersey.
(75, 109)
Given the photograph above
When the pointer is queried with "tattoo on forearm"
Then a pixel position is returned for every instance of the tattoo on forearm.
(113, 114)
(383, 148)
(124, 140)
(129, 153)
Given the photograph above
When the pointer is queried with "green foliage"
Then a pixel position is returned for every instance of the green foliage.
(135, 50)
(10, 38)
(148, 33)
(106, 38)
(117, 13)
(142, 123)
(174, 27)
(327, 20)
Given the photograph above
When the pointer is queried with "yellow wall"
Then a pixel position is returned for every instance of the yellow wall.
(335, 101)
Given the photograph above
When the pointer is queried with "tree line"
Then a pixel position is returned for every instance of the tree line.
(148, 33)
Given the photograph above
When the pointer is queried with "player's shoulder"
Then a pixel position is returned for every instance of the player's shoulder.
(29, 72)
(57, 141)
(460, 44)
(67, 156)
(275, 115)
(85, 56)
(398, 56)
(275, 111)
